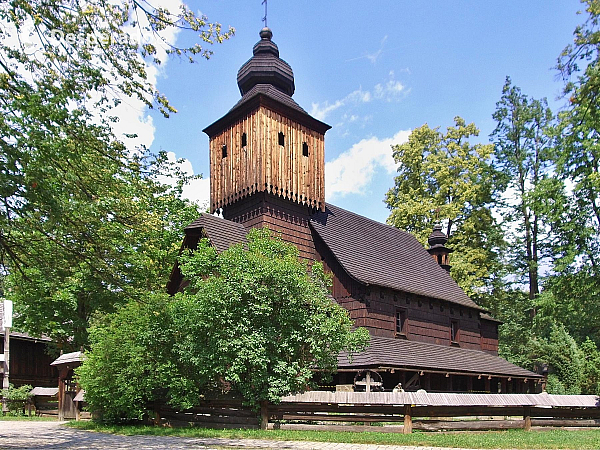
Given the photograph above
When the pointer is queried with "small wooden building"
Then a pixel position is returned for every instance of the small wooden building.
(267, 168)
(68, 389)
(29, 359)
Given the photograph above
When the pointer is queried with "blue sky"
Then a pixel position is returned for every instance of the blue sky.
(374, 71)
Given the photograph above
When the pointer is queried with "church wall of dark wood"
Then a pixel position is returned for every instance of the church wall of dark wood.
(427, 320)
(280, 215)
(489, 336)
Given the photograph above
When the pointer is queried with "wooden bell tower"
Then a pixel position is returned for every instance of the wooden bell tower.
(267, 154)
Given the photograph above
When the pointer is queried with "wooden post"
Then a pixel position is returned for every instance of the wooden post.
(407, 419)
(61, 397)
(156, 420)
(527, 418)
(264, 415)
(6, 380)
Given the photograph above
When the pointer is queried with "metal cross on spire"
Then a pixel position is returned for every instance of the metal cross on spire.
(264, 19)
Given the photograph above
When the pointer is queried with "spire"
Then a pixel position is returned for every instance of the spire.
(437, 247)
(437, 237)
(265, 67)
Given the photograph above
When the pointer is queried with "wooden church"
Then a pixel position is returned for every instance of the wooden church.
(267, 168)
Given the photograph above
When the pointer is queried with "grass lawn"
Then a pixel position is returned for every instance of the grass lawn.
(512, 439)
(26, 418)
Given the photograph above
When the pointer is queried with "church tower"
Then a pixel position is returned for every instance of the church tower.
(267, 154)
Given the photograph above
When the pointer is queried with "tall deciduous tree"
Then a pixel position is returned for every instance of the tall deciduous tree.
(254, 323)
(522, 141)
(80, 214)
(444, 177)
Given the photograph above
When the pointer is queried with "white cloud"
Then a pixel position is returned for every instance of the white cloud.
(388, 91)
(373, 57)
(198, 190)
(353, 170)
(321, 110)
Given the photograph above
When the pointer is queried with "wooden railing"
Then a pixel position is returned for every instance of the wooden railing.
(402, 412)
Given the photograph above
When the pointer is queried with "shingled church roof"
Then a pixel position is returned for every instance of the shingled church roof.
(374, 253)
(404, 353)
(221, 233)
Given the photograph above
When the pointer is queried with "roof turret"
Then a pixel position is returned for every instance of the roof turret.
(437, 238)
(265, 67)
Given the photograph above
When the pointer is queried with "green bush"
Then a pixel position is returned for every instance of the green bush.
(16, 398)
(254, 322)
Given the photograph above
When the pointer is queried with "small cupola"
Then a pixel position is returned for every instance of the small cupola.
(266, 67)
(437, 247)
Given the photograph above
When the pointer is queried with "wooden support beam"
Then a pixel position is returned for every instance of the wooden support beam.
(527, 418)
(412, 380)
(408, 425)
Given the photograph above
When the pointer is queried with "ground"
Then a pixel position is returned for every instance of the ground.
(36, 435)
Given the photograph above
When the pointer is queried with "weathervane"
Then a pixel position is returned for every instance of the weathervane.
(264, 19)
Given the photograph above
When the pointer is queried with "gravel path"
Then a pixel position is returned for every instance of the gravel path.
(51, 435)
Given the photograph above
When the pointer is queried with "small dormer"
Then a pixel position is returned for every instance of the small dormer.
(437, 247)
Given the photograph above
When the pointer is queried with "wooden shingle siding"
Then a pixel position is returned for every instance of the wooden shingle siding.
(489, 336)
(290, 220)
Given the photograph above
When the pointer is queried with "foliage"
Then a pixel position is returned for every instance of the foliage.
(443, 177)
(129, 364)
(122, 245)
(523, 142)
(82, 217)
(565, 359)
(16, 398)
(253, 322)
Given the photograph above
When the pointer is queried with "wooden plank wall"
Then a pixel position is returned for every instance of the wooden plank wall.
(29, 363)
(489, 336)
(265, 166)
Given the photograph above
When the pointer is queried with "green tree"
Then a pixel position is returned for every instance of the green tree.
(255, 323)
(523, 141)
(122, 247)
(443, 177)
(80, 214)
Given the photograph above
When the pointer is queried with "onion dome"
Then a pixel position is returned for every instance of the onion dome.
(437, 238)
(265, 67)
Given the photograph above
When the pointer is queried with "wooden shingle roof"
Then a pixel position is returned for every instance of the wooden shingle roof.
(221, 233)
(401, 353)
(382, 255)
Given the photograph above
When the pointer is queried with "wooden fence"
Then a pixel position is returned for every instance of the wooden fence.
(394, 412)
(212, 414)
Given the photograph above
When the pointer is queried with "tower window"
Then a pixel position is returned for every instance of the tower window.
(304, 149)
(224, 151)
(401, 321)
(244, 140)
(454, 331)
(281, 138)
